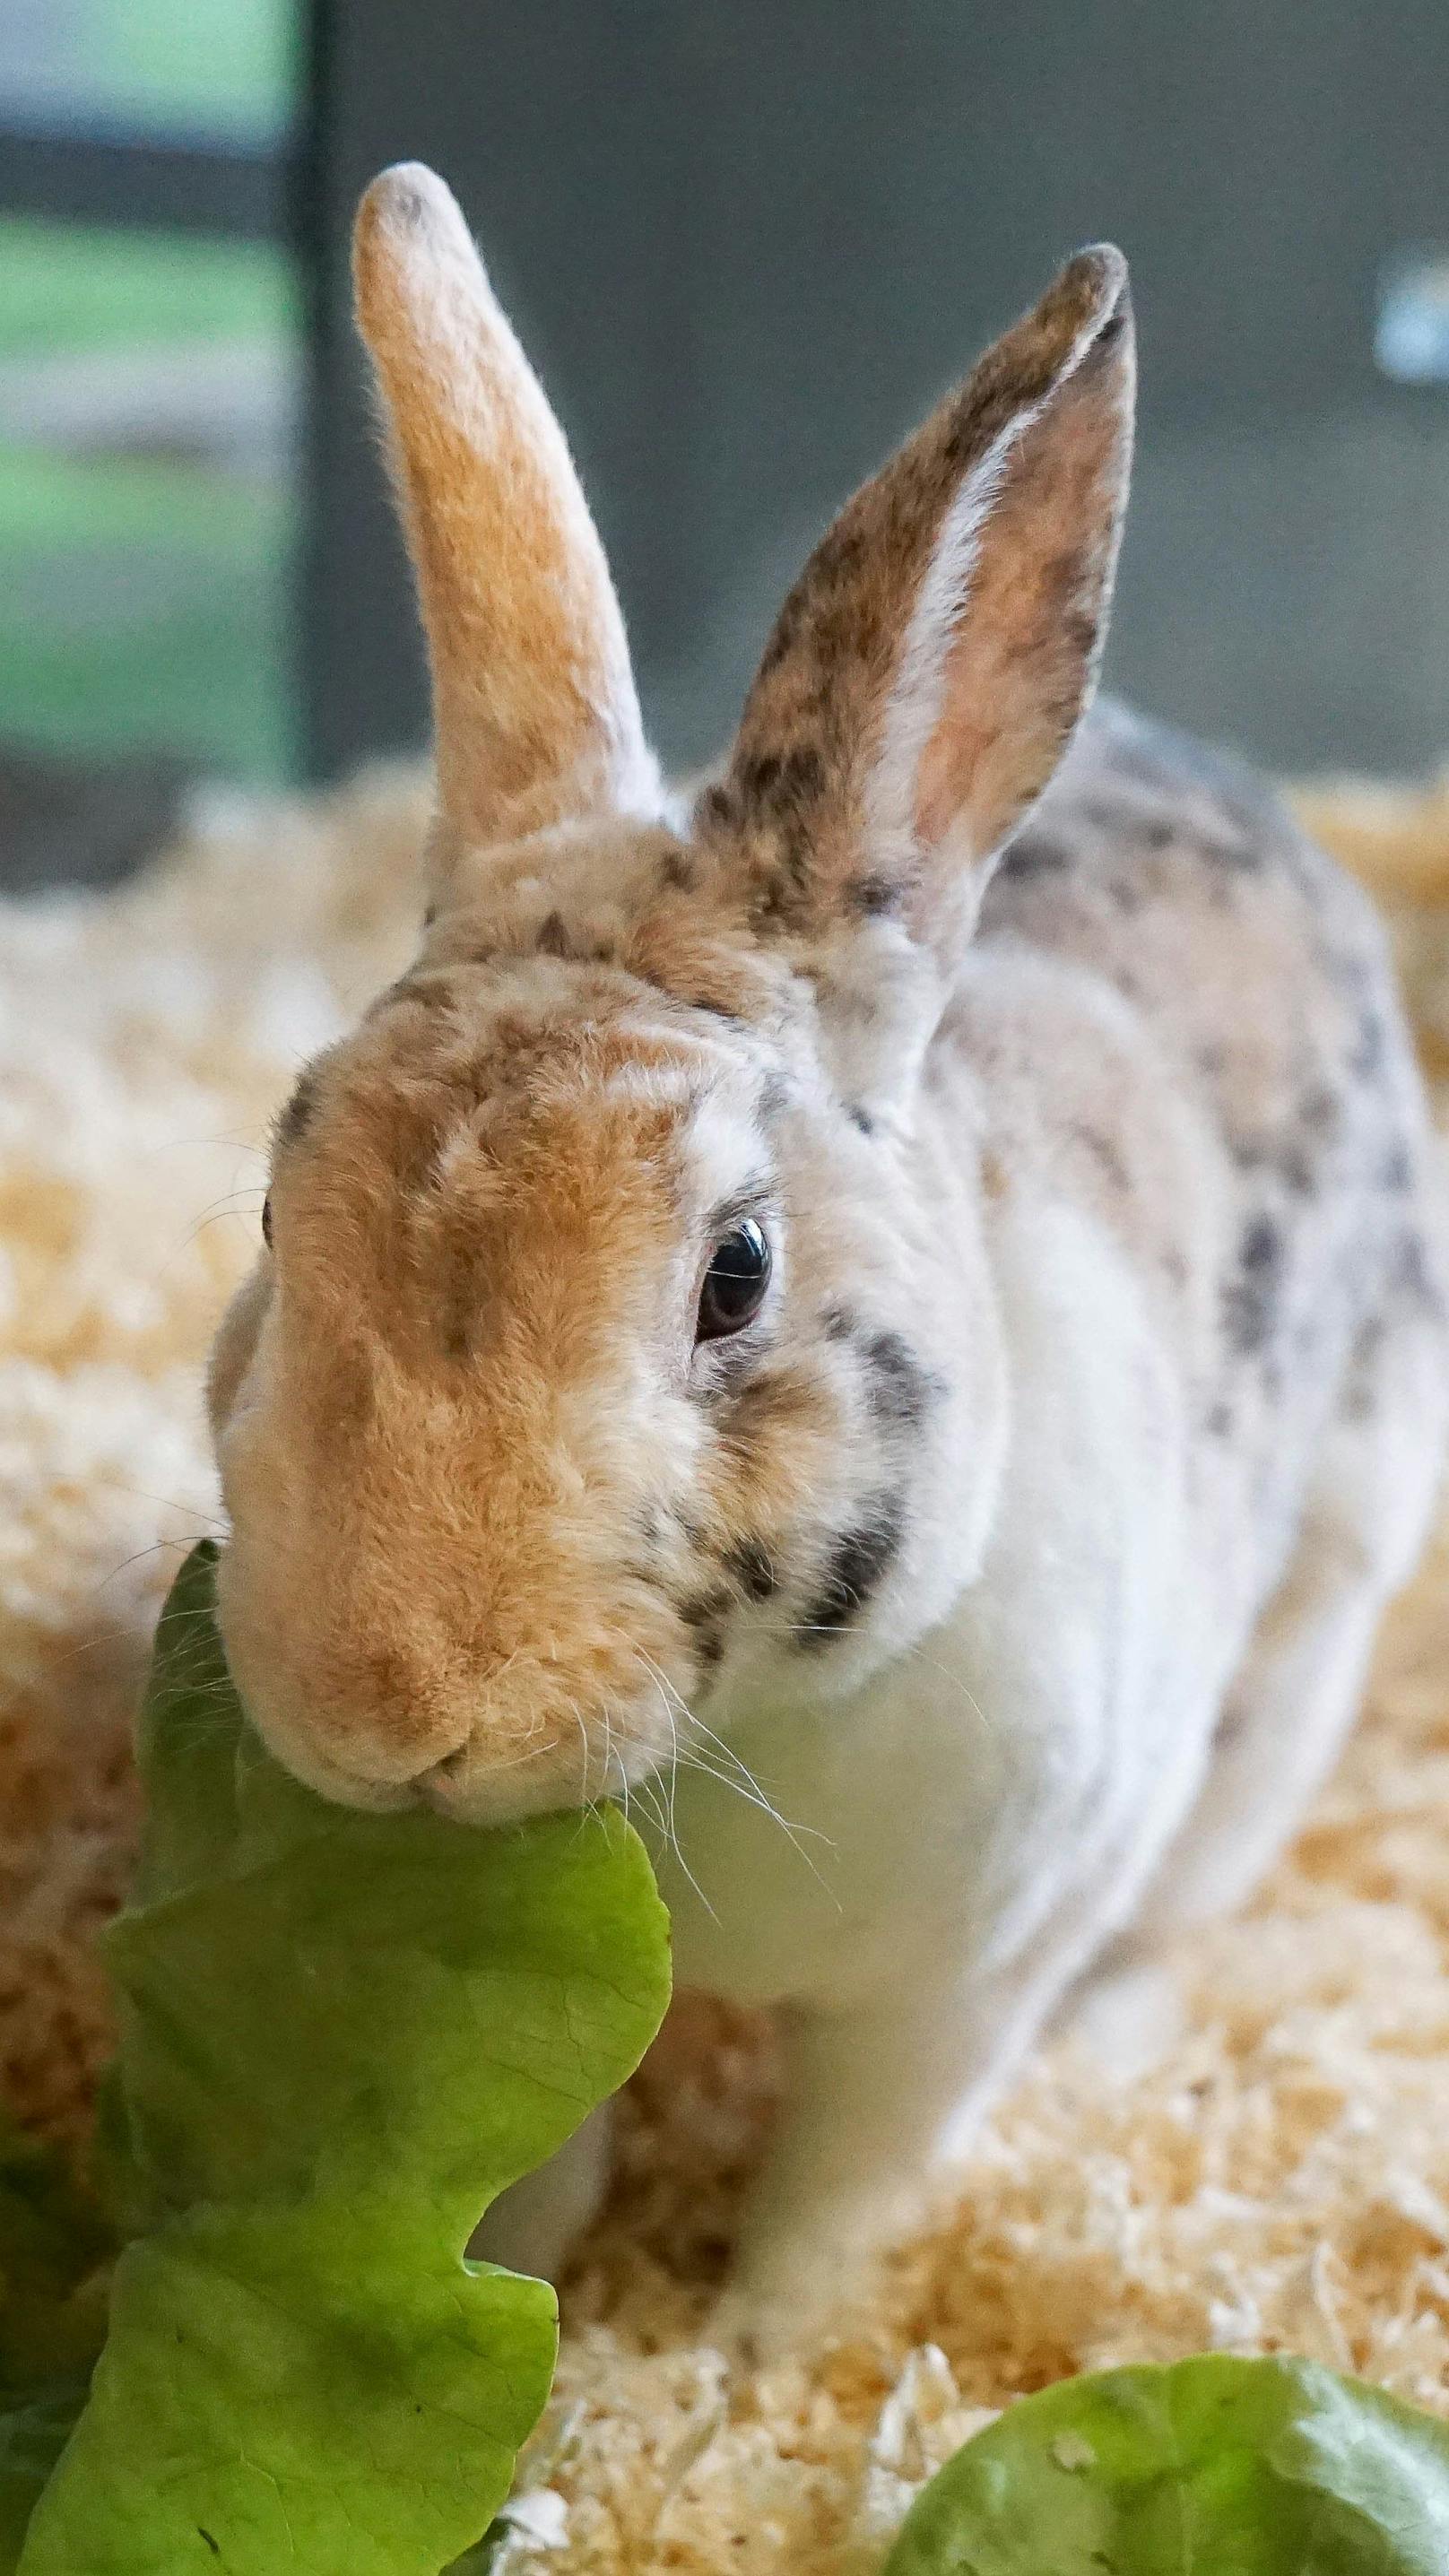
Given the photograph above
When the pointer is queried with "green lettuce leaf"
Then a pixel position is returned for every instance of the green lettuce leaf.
(34, 2431)
(342, 2036)
(1213, 2467)
(56, 2249)
(55, 2245)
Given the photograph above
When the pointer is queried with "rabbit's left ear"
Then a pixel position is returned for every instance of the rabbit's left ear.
(534, 705)
(928, 668)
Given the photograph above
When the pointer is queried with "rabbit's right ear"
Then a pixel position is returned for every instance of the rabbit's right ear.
(535, 710)
(928, 668)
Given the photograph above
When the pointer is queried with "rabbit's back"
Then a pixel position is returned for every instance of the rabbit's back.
(1243, 1104)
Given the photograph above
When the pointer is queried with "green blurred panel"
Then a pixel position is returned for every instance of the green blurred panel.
(145, 505)
(145, 495)
(72, 287)
(176, 62)
(227, 56)
(143, 606)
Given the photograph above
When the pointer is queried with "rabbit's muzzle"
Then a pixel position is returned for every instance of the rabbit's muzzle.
(387, 1712)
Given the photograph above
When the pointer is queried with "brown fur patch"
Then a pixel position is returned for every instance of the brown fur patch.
(536, 715)
(1026, 644)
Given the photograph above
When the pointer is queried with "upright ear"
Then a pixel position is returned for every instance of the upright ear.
(534, 705)
(929, 666)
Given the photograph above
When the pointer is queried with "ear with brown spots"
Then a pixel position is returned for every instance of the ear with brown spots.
(534, 702)
(929, 666)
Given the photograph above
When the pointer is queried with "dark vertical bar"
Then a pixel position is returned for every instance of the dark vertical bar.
(552, 123)
(747, 245)
(353, 600)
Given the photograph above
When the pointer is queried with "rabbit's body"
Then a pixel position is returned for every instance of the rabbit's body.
(889, 1317)
(1186, 1128)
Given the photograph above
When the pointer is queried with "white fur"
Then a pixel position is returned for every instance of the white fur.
(914, 705)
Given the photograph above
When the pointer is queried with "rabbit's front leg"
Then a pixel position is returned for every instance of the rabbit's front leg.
(876, 2097)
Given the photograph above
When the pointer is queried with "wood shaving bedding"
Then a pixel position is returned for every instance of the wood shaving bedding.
(1267, 2168)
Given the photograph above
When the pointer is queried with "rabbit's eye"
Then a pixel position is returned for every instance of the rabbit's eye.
(266, 1221)
(735, 1282)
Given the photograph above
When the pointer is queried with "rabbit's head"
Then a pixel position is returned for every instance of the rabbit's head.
(620, 1352)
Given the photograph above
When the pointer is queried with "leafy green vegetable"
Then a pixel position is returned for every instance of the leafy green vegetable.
(55, 2253)
(1214, 2467)
(342, 2036)
(32, 2437)
(55, 2245)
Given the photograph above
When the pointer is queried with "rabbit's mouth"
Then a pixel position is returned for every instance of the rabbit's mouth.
(478, 1787)
(476, 1783)
(522, 1742)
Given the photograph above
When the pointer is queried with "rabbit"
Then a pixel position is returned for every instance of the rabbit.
(888, 1308)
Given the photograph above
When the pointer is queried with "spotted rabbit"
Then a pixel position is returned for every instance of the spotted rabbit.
(894, 1297)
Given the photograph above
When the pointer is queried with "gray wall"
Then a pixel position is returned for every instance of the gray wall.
(748, 243)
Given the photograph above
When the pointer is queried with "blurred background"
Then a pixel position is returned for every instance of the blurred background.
(746, 246)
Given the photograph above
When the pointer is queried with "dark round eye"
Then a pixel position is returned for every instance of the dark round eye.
(735, 1282)
(266, 1220)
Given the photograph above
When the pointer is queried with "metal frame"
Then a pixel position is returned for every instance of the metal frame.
(96, 172)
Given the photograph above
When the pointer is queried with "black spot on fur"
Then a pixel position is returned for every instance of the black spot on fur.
(1231, 1726)
(751, 1565)
(1396, 1171)
(703, 1608)
(874, 897)
(719, 804)
(1288, 1163)
(702, 1002)
(781, 779)
(1104, 1153)
(858, 1564)
(1414, 1275)
(781, 790)
(902, 1388)
(861, 1118)
(706, 1616)
(1032, 854)
(1320, 1111)
(552, 938)
(1370, 1044)
(1250, 1298)
(430, 916)
(294, 1121)
(1242, 857)
(1361, 1385)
